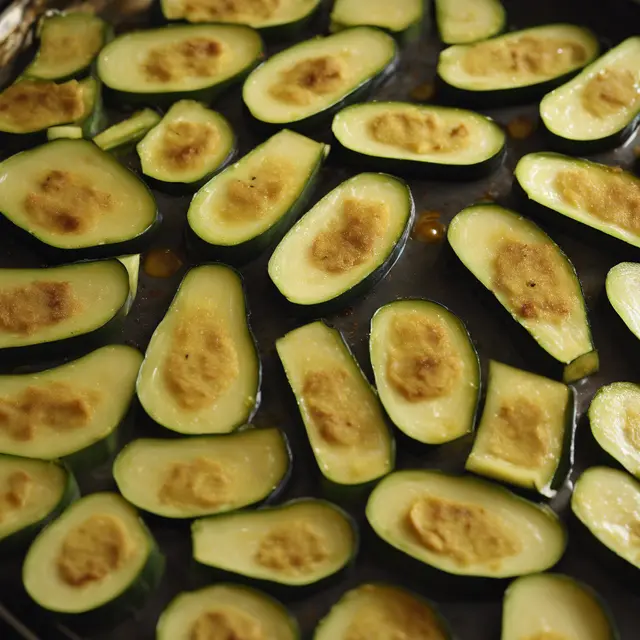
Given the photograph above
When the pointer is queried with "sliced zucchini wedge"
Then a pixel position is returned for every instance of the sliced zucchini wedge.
(525, 436)
(156, 67)
(600, 108)
(345, 244)
(96, 562)
(500, 535)
(71, 412)
(126, 132)
(193, 477)
(301, 543)
(303, 86)
(231, 608)
(466, 21)
(551, 605)
(345, 424)
(533, 280)
(516, 67)
(623, 291)
(187, 147)
(64, 131)
(132, 265)
(201, 373)
(252, 204)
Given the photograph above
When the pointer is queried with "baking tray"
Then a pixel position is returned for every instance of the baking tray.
(423, 270)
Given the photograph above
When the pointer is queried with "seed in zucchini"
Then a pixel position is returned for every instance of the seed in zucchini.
(466, 21)
(426, 370)
(156, 67)
(303, 86)
(345, 244)
(464, 526)
(201, 373)
(126, 132)
(345, 424)
(189, 478)
(533, 280)
(425, 141)
(600, 108)
(96, 562)
(187, 147)
(516, 67)
(132, 264)
(525, 436)
(300, 543)
(64, 131)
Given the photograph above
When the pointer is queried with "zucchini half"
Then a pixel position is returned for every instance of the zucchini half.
(351, 441)
(251, 205)
(345, 244)
(525, 436)
(304, 86)
(156, 67)
(201, 373)
(466, 21)
(531, 278)
(600, 108)
(431, 403)
(419, 140)
(516, 67)
(121, 135)
(623, 291)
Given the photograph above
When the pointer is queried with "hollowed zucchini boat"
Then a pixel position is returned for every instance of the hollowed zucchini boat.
(466, 21)
(525, 436)
(252, 204)
(516, 67)
(200, 476)
(532, 279)
(65, 131)
(71, 412)
(345, 244)
(121, 135)
(431, 403)
(623, 291)
(201, 373)
(156, 67)
(344, 421)
(303, 86)
(424, 141)
(600, 108)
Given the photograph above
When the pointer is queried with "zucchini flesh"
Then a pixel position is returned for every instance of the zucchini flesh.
(64, 131)
(465, 21)
(396, 17)
(127, 131)
(132, 265)
(622, 285)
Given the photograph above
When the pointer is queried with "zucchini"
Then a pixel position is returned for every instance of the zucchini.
(121, 135)
(426, 370)
(201, 373)
(351, 441)
(422, 141)
(156, 67)
(132, 265)
(71, 412)
(252, 204)
(229, 608)
(193, 477)
(96, 563)
(516, 67)
(525, 436)
(467, 21)
(600, 108)
(64, 131)
(533, 280)
(345, 244)
(187, 147)
(622, 285)
(303, 86)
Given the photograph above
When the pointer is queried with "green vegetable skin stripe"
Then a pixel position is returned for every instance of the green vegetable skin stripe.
(126, 132)
(465, 21)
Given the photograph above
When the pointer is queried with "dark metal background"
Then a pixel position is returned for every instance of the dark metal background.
(423, 270)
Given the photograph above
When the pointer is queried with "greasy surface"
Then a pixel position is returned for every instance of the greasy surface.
(610, 91)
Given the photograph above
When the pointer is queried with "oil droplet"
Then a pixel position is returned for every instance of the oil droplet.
(636, 151)
(429, 229)
(161, 263)
(521, 127)
(423, 92)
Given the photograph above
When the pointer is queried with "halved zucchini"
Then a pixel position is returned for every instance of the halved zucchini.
(96, 562)
(525, 436)
(226, 608)
(70, 412)
(64, 131)
(345, 424)
(464, 526)
(515, 67)
(623, 291)
(187, 147)
(301, 543)
(132, 264)
(600, 108)
(466, 21)
(252, 204)
(76, 201)
(159, 66)
(426, 370)
(303, 86)
(193, 477)
(128, 131)
(345, 244)
(201, 373)
(533, 280)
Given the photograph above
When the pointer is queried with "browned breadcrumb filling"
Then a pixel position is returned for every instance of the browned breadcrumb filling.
(186, 146)
(62, 48)
(226, 624)
(229, 10)
(611, 91)
(199, 482)
(192, 58)
(15, 493)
